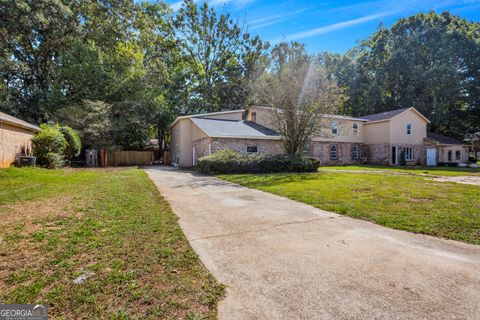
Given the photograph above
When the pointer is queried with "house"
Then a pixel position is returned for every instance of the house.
(389, 138)
(15, 138)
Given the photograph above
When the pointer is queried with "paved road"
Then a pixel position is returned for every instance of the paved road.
(281, 259)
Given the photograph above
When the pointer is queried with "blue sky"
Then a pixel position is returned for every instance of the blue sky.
(330, 25)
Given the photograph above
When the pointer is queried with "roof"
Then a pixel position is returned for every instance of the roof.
(334, 116)
(18, 122)
(387, 115)
(441, 139)
(219, 128)
(205, 114)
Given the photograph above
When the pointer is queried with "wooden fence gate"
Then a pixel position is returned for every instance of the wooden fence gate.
(129, 158)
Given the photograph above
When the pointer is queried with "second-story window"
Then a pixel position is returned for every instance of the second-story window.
(409, 128)
(355, 129)
(334, 128)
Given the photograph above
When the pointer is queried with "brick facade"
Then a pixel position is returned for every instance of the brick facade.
(12, 140)
(322, 151)
(269, 147)
(378, 154)
(202, 147)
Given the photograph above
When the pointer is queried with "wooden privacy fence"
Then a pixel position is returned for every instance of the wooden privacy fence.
(129, 158)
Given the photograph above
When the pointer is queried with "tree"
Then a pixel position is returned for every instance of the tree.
(427, 61)
(220, 59)
(300, 94)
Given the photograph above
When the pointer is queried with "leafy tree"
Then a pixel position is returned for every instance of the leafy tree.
(74, 143)
(427, 61)
(300, 94)
(220, 59)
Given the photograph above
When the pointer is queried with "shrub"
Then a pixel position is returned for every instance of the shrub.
(74, 144)
(49, 140)
(228, 161)
(53, 160)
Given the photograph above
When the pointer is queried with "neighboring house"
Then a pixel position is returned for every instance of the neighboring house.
(390, 138)
(15, 138)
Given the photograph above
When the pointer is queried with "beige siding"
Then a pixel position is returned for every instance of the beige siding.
(377, 133)
(443, 154)
(182, 143)
(226, 116)
(345, 131)
(12, 139)
(398, 129)
(263, 116)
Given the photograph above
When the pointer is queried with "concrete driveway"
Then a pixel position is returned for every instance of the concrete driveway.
(281, 259)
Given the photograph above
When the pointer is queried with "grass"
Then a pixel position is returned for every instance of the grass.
(405, 202)
(418, 170)
(56, 225)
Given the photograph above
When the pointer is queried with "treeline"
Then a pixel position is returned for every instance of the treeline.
(427, 61)
(119, 72)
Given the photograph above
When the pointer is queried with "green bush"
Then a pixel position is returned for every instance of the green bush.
(74, 144)
(228, 161)
(53, 160)
(49, 140)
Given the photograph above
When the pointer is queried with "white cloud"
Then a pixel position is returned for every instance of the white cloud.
(336, 26)
(274, 19)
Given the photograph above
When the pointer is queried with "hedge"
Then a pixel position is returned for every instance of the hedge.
(228, 161)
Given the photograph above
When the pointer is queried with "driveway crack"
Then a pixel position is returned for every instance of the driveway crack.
(259, 230)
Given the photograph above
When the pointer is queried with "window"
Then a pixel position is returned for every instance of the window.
(355, 129)
(409, 128)
(334, 128)
(355, 152)
(449, 155)
(252, 150)
(408, 153)
(306, 149)
(333, 152)
(457, 155)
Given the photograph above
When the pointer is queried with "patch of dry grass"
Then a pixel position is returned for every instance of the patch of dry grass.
(111, 224)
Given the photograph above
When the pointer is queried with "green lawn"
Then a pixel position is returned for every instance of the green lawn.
(419, 170)
(406, 202)
(113, 225)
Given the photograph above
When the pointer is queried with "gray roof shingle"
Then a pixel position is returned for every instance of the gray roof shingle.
(12, 120)
(234, 128)
(440, 138)
(384, 115)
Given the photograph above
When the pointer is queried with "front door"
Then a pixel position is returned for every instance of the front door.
(431, 157)
(394, 155)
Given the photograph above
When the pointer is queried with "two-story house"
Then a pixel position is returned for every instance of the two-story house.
(391, 138)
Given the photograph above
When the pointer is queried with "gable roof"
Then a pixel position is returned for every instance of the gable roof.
(219, 128)
(441, 139)
(389, 115)
(205, 115)
(17, 122)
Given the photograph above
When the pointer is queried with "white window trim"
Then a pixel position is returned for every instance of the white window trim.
(335, 127)
(336, 152)
(252, 152)
(355, 128)
(411, 154)
(411, 129)
(356, 152)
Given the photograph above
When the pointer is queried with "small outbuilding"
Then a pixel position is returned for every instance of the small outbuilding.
(447, 150)
(15, 138)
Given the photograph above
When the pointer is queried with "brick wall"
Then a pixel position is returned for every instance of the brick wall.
(12, 139)
(202, 147)
(240, 145)
(321, 151)
(378, 154)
